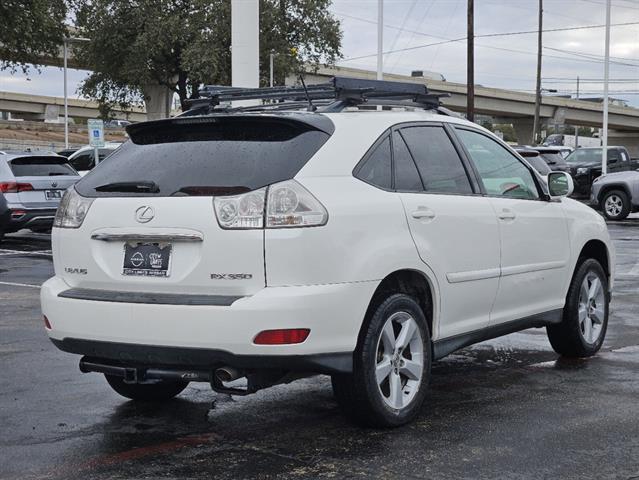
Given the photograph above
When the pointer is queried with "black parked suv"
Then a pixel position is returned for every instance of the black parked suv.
(554, 158)
(585, 166)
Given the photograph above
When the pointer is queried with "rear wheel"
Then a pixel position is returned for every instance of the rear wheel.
(585, 318)
(615, 205)
(159, 391)
(391, 366)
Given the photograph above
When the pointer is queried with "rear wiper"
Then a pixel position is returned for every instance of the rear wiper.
(142, 186)
(55, 174)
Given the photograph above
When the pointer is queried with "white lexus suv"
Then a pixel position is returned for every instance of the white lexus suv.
(364, 239)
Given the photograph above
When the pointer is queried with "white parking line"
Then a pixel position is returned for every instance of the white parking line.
(13, 284)
(634, 271)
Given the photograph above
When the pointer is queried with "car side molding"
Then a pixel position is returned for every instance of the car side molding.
(446, 346)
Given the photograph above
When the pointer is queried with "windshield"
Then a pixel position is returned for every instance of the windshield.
(588, 156)
(206, 156)
(41, 167)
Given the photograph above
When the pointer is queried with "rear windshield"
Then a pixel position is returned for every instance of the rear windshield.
(41, 167)
(205, 156)
(539, 164)
(553, 158)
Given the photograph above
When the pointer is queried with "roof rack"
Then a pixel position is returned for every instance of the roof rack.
(333, 96)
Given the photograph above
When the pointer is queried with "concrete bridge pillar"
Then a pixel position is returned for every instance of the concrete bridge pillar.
(157, 99)
(523, 130)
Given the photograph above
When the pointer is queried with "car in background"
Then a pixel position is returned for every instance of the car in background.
(83, 160)
(32, 184)
(5, 215)
(553, 157)
(115, 123)
(616, 194)
(536, 161)
(67, 152)
(585, 166)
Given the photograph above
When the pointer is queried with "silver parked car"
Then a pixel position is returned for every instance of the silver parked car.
(616, 194)
(32, 184)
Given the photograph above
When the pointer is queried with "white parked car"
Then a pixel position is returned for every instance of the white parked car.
(250, 248)
(83, 159)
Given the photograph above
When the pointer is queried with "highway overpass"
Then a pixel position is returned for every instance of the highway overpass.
(39, 107)
(517, 108)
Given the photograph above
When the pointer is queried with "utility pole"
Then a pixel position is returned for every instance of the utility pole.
(380, 39)
(470, 60)
(538, 87)
(577, 126)
(604, 150)
(270, 74)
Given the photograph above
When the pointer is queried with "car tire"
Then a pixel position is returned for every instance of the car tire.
(160, 391)
(394, 345)
(615, 205)
(585, 316)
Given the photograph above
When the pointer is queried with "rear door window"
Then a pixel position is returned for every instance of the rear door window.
(376, 169)
(214, 155)
(440, 167)
(35, 166)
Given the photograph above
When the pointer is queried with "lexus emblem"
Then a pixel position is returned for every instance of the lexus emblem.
(54, 184)
(144, 214)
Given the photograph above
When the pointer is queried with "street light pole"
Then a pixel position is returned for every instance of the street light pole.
(270, 75)
(577, 126)
(66, 102)
(380, 39)
(470, 54)
(538, 87)
(604, 153)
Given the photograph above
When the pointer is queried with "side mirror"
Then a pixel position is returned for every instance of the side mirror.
(560, 184)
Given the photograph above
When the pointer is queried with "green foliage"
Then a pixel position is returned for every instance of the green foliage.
(30, 30)
(184, 43)
(508, 131)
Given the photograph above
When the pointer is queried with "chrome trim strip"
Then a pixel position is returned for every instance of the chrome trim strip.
(533, 267)
(147, 297)
(148, 237)
(458, 277)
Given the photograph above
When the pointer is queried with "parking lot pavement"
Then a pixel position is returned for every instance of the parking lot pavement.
(508, 408)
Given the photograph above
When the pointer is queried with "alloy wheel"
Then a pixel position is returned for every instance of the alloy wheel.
(400, 360)
(613, 205)
(591, 308)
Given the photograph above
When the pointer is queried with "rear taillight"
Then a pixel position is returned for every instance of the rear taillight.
(285, 336)
(47, 324)
(72, 210)
(18, 213)
(282, 205)
(15, 187)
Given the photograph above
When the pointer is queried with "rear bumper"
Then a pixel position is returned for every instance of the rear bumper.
(40, 218)
(205, 335)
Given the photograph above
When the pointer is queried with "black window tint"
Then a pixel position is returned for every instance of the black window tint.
(41, 167)
(208, 156)
(501, 172)
(84, 161)
(377, 168)
(439, 164)
(406, 174)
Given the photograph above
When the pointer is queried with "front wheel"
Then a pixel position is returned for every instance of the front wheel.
(585, 318)
(615, 205)
(391, 366)
(159, 391)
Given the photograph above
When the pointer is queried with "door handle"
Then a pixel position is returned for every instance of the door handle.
(507, 214)
(423, 213)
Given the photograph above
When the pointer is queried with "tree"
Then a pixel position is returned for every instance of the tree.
(30, 30)
(181, 44)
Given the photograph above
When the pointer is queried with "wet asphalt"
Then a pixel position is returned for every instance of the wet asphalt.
(507, 408)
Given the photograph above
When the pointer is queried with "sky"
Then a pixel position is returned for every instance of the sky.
(418, 34)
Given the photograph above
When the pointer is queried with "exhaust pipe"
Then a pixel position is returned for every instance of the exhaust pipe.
(227, 374)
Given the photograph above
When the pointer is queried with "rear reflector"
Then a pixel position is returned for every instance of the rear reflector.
(18, 213)
(47, 324)
(282, 337)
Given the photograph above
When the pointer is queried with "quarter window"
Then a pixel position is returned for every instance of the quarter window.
(439, 165)
(377, 169)
(407, 177)
(501, 172)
